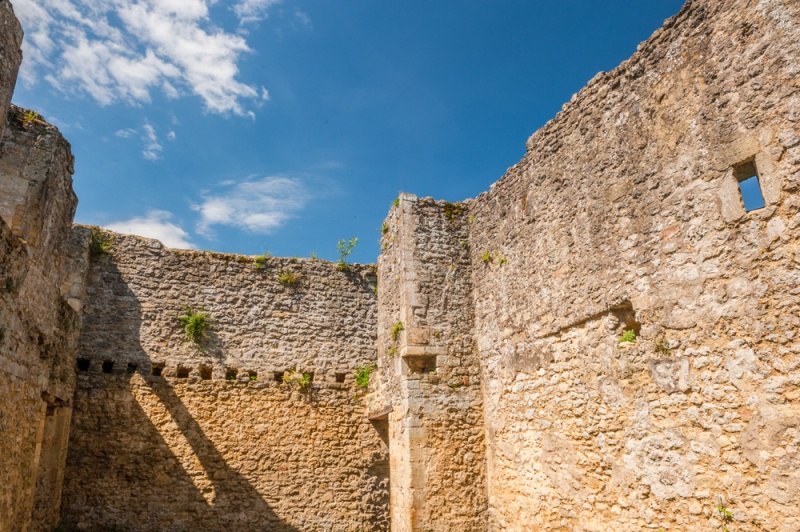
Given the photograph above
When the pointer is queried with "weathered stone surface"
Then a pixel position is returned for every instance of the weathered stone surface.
(38, 329)
(628, 200)
(226, 446)
(429, 376)
(503, 393)
(10, 56)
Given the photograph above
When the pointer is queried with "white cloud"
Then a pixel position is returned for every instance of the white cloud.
(170, 46)
(155, 224)
(303, 17)
(258, 206)
(125, 133)
(152, 148)
(249, 11)
(171, 136)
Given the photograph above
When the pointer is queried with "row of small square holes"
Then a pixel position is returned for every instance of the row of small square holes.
(183, 373)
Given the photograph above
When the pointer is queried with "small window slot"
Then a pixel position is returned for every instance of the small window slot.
(205, 373)
(749, 186)
(278, 376)
(230, 374)
(252, 375)
(340, 377)
(108, 366)
(156, 370)
(84, 364)
(131, 369)
(421, 364)
(183, 373)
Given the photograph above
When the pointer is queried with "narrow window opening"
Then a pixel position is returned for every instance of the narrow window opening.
(183, 373)
(156, 370)
(252, 375)
(230, 374)
(749, 186)
(131, 369)
(205, 373)
(340, 377)
(108, 366)
(83, 364)
(278, 376)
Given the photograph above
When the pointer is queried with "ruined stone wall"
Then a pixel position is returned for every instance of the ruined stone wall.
(625, 214)
(38, 328)
(169, 435)
(427, 386)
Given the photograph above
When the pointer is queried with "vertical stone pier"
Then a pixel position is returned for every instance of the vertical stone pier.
(427, 384)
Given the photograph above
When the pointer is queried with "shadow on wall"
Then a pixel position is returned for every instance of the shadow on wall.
(138, 460)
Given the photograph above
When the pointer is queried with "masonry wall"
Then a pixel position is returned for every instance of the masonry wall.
(625, 214)
(38, 328)
(218, 440)
(427, 384)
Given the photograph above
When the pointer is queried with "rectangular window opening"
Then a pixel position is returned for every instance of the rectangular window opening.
(108, 366)
(278, 376)
(205, 373)
(83, 364)
(156, 370)
(749, 186)
(340, 377)
(183, 373)
(421, 364)
(252, 375)
(131, 369)
(230, 374)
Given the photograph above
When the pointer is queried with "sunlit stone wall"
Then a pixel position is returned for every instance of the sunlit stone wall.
(168, 434)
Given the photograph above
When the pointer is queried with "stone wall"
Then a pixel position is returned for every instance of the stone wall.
(39, 273)
(38, 328)
(625, 214)
(428, 382)
(168, 434)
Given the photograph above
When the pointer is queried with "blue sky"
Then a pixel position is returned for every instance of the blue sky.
(287, 125)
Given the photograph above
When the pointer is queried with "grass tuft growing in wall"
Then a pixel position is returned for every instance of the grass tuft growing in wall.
(289, 278)
(362, 375)
(195, 323)
(100, 243)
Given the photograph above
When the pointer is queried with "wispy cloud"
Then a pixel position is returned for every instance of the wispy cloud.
(256, 205)
(152, 148)
(303, 18)
(125, 133)
(250, 11)
(155, 224)
(124, 50)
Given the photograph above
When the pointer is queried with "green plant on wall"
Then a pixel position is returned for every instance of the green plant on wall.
(725, 515)
(628, 336)
(397, 328)
(31, 117)
(261, 260)
(362, 374)
(661, 346)
(452, 211)
(100, 243)
(487, 257)
(289, 278)
(195, 323)
(384, 228)
(396, 202)
(345, 248)
(301, 380)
